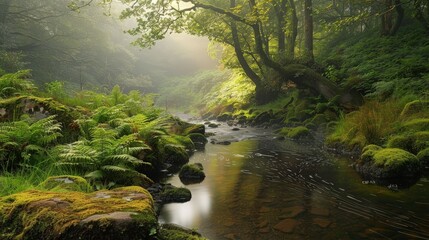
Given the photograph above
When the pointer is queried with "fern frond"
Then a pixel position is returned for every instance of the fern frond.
(112, 168)
(97, 174)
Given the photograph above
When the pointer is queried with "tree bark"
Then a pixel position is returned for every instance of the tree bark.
(263, 93)
(281, 24)
(386, 18)
(308, 30)
(399, 17)
(291, 39)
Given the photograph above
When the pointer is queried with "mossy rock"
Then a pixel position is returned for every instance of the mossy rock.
(174, 154)
(414, 142)
(369, 151)
(224, 117)
(416, 125)
(423, 156)
(174, 232)
(263, 117)
(389, 163)
(185, 141)
(421, 141)
(400, 141)
(66, 183)
(414, 107)
(296, 133)
(192, 173)
(195, 128)
(172, 194)
(122, 213)
(198, 139)
(39, 107)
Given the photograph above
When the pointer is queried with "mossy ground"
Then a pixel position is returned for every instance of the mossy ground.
(45, 214)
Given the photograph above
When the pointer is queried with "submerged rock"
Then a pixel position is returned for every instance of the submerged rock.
(192, 173)
(170, 194)
(286, 226)
(123, 213)
(174, 232)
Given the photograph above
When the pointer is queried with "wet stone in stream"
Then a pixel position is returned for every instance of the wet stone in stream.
(287, 225)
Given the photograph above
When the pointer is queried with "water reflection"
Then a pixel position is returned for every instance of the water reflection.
(268, 189)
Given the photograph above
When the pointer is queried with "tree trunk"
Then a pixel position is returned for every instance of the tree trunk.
(308, 30)
(291, 38)
(399, 17)
(263, 93)
(281, 24)
(387, 18)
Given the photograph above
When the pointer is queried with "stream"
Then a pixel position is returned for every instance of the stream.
(259, 187)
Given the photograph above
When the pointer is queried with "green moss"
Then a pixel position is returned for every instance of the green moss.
(418, 124)
(224, 116)
(198, 138)
(174, 232)
(192, 171)
(421, 141)
(394, 157)
(174, 154)
(369, 151)
(296, 133)
(53, 215)
(423, 156)
(415, 107)
(371, 147)
(400, 141)
(66, 183)
(175, 194)
(195, 128)
(414, 142)
(185, 141)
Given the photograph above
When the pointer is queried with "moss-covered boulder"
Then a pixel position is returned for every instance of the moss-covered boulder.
(412, 142)
(192, 173)
(39, 107)
(296, 132)
(66, 183)
(263, 117)
(194, 128)
(172, 194)
(174, 232)
(423, 156)
(224, 117)
(123, 213)
(388, 163)
(198, 139)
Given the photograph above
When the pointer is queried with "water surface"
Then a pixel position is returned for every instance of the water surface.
(262, 188)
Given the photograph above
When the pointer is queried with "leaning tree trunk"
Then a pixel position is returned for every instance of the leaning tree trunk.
(263, 92)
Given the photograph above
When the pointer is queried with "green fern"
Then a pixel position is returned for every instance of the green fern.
(103, 155)
(16, 83)
(26, 141)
